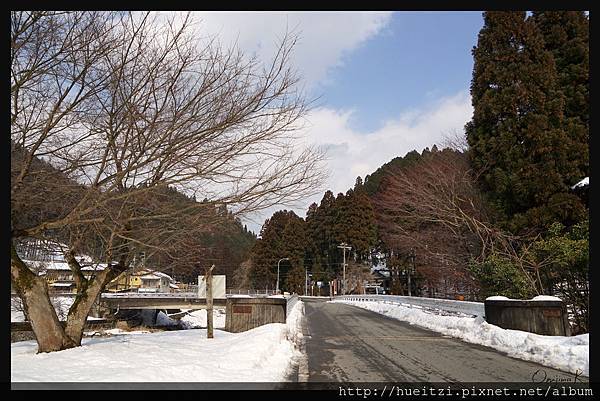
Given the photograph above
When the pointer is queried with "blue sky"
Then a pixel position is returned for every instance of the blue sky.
(387, 82)
(417, 58)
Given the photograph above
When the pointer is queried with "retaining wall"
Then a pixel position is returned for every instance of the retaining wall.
(541, 317)
(247, 313)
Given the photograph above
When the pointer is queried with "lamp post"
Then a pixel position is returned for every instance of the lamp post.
(306, 276)
(277, 289)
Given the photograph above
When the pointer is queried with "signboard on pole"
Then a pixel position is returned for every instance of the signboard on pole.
(218, 286)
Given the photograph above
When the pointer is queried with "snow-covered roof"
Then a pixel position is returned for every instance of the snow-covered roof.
(582, 183)
(150, 277)
(147, 273)
(161, 274)
(65, 266)
(62, 284)
(173, 286)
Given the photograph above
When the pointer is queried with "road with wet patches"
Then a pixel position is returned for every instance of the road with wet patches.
(345, 343)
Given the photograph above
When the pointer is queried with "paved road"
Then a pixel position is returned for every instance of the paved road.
(350, 344)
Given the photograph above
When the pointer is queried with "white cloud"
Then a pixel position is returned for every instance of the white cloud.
(353, 153)
(325, 37)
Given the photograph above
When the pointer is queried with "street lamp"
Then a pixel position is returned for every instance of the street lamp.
(277, 289)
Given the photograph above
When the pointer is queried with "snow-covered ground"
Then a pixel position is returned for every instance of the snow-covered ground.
(196, 319)
(61, 305)
(569, 354)
(264, 354)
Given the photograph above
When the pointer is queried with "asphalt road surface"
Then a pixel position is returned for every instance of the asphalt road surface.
(348, 344)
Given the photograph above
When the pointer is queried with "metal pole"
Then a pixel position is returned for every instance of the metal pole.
(305, 281)
(277, 289)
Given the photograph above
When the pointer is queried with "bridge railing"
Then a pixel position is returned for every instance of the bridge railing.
(449, 305)
(292, 300)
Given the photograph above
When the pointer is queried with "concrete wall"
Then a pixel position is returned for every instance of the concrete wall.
(541, 317)
(247, 313)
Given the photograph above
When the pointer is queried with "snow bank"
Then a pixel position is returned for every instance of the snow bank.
(448, 306)
(569, 354)
(198, 318)
(497, 298)
(263, 354)
(294, 321)
(536, 298)
(546, 298)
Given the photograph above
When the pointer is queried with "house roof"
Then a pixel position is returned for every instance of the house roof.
(151, 277)
(64, 266)
(148, 272)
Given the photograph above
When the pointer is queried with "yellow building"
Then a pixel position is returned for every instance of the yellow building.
(145, 280)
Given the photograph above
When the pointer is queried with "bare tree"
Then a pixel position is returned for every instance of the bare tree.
(356, 276)
(435, 208)
(122, 107)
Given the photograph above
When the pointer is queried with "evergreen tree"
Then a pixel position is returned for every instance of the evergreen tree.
(361, 226)
(566, 36)
(516, 135)
(282, 236)
(295, 280)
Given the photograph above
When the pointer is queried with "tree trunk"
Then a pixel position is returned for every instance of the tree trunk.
(33, 290)
(82, 306)
(209, 302)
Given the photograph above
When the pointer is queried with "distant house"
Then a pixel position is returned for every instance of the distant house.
(380, 283)
(155, 282)
(46, 258)
(145, 280)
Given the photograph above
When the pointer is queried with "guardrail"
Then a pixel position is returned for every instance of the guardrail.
(150, 295)
(291, 302)
(449, 305)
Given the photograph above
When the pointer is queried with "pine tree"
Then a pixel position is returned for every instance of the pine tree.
(516, 135)
(362, 234)
(566, 36)
(283, 236)
(295, 280)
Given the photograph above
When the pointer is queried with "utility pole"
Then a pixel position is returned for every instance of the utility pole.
(344, 246)
(277, 289)
(209, 302)
(306, 281)
(412, 258)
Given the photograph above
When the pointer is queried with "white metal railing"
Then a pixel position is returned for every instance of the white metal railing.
(449, 305)
(292, 300)
(150, 295)
(179, 294)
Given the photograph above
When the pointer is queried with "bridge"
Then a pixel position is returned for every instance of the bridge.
(157, 301)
